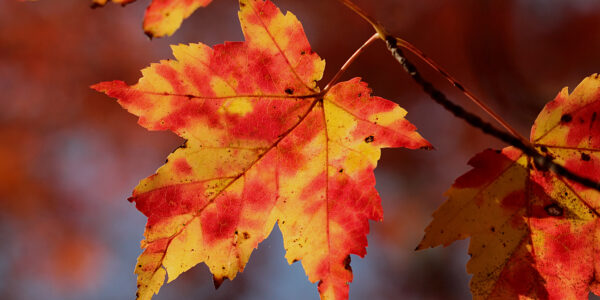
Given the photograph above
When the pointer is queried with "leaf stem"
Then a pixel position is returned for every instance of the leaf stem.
(405, 44)
(350, 60)
(359, 11)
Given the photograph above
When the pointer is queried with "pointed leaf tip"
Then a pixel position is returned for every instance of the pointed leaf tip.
(218, 281)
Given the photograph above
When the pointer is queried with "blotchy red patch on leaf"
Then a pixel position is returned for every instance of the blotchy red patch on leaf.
(219, 221)
(586, 166)
(514, 201)
(584, 124)
(257, 197)
(290, 156)
(520, 277)
(170, 201)
(487, 166)
(133, 100)
(182, 167)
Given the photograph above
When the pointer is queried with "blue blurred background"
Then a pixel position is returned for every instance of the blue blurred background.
(70, 157)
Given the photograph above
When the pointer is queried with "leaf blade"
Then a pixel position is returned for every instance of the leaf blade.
(262, 146)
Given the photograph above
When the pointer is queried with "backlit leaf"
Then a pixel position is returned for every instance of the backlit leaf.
(163, 17)
(533, 233)
(263, 145)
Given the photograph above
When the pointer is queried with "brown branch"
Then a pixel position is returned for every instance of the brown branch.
(540, 161)
(410, 47)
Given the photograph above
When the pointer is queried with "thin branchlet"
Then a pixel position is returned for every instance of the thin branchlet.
(541, 161)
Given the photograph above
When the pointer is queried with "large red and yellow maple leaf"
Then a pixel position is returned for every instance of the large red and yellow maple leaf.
(263, 145)
(163, 17)
(533, 233)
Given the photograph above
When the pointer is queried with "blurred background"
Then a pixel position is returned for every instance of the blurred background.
(70, 157)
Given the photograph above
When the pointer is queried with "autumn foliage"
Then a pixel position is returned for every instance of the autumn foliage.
(268, 146)
(263, 145)
(163, 17)
(532, 232)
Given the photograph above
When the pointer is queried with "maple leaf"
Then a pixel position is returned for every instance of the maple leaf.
(533, 233)
(263, 145)
(163, 17)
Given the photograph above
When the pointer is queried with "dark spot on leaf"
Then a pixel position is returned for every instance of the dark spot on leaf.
(295, 260)
(566, 118)
(347, 263)
(585, 157)
(149, 34)
(544, 149)
(242, 4)
(303, 52)
(246, 235)
(493, 229)
(498, 151)
(236, 232)
(369, 139)
(554, 210)
(341, 171)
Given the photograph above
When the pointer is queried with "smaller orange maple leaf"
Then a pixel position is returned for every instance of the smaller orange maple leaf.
(163, 17)
(263, 146)
(533, 233)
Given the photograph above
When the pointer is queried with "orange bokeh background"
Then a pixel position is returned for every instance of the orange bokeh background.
(69, 156)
